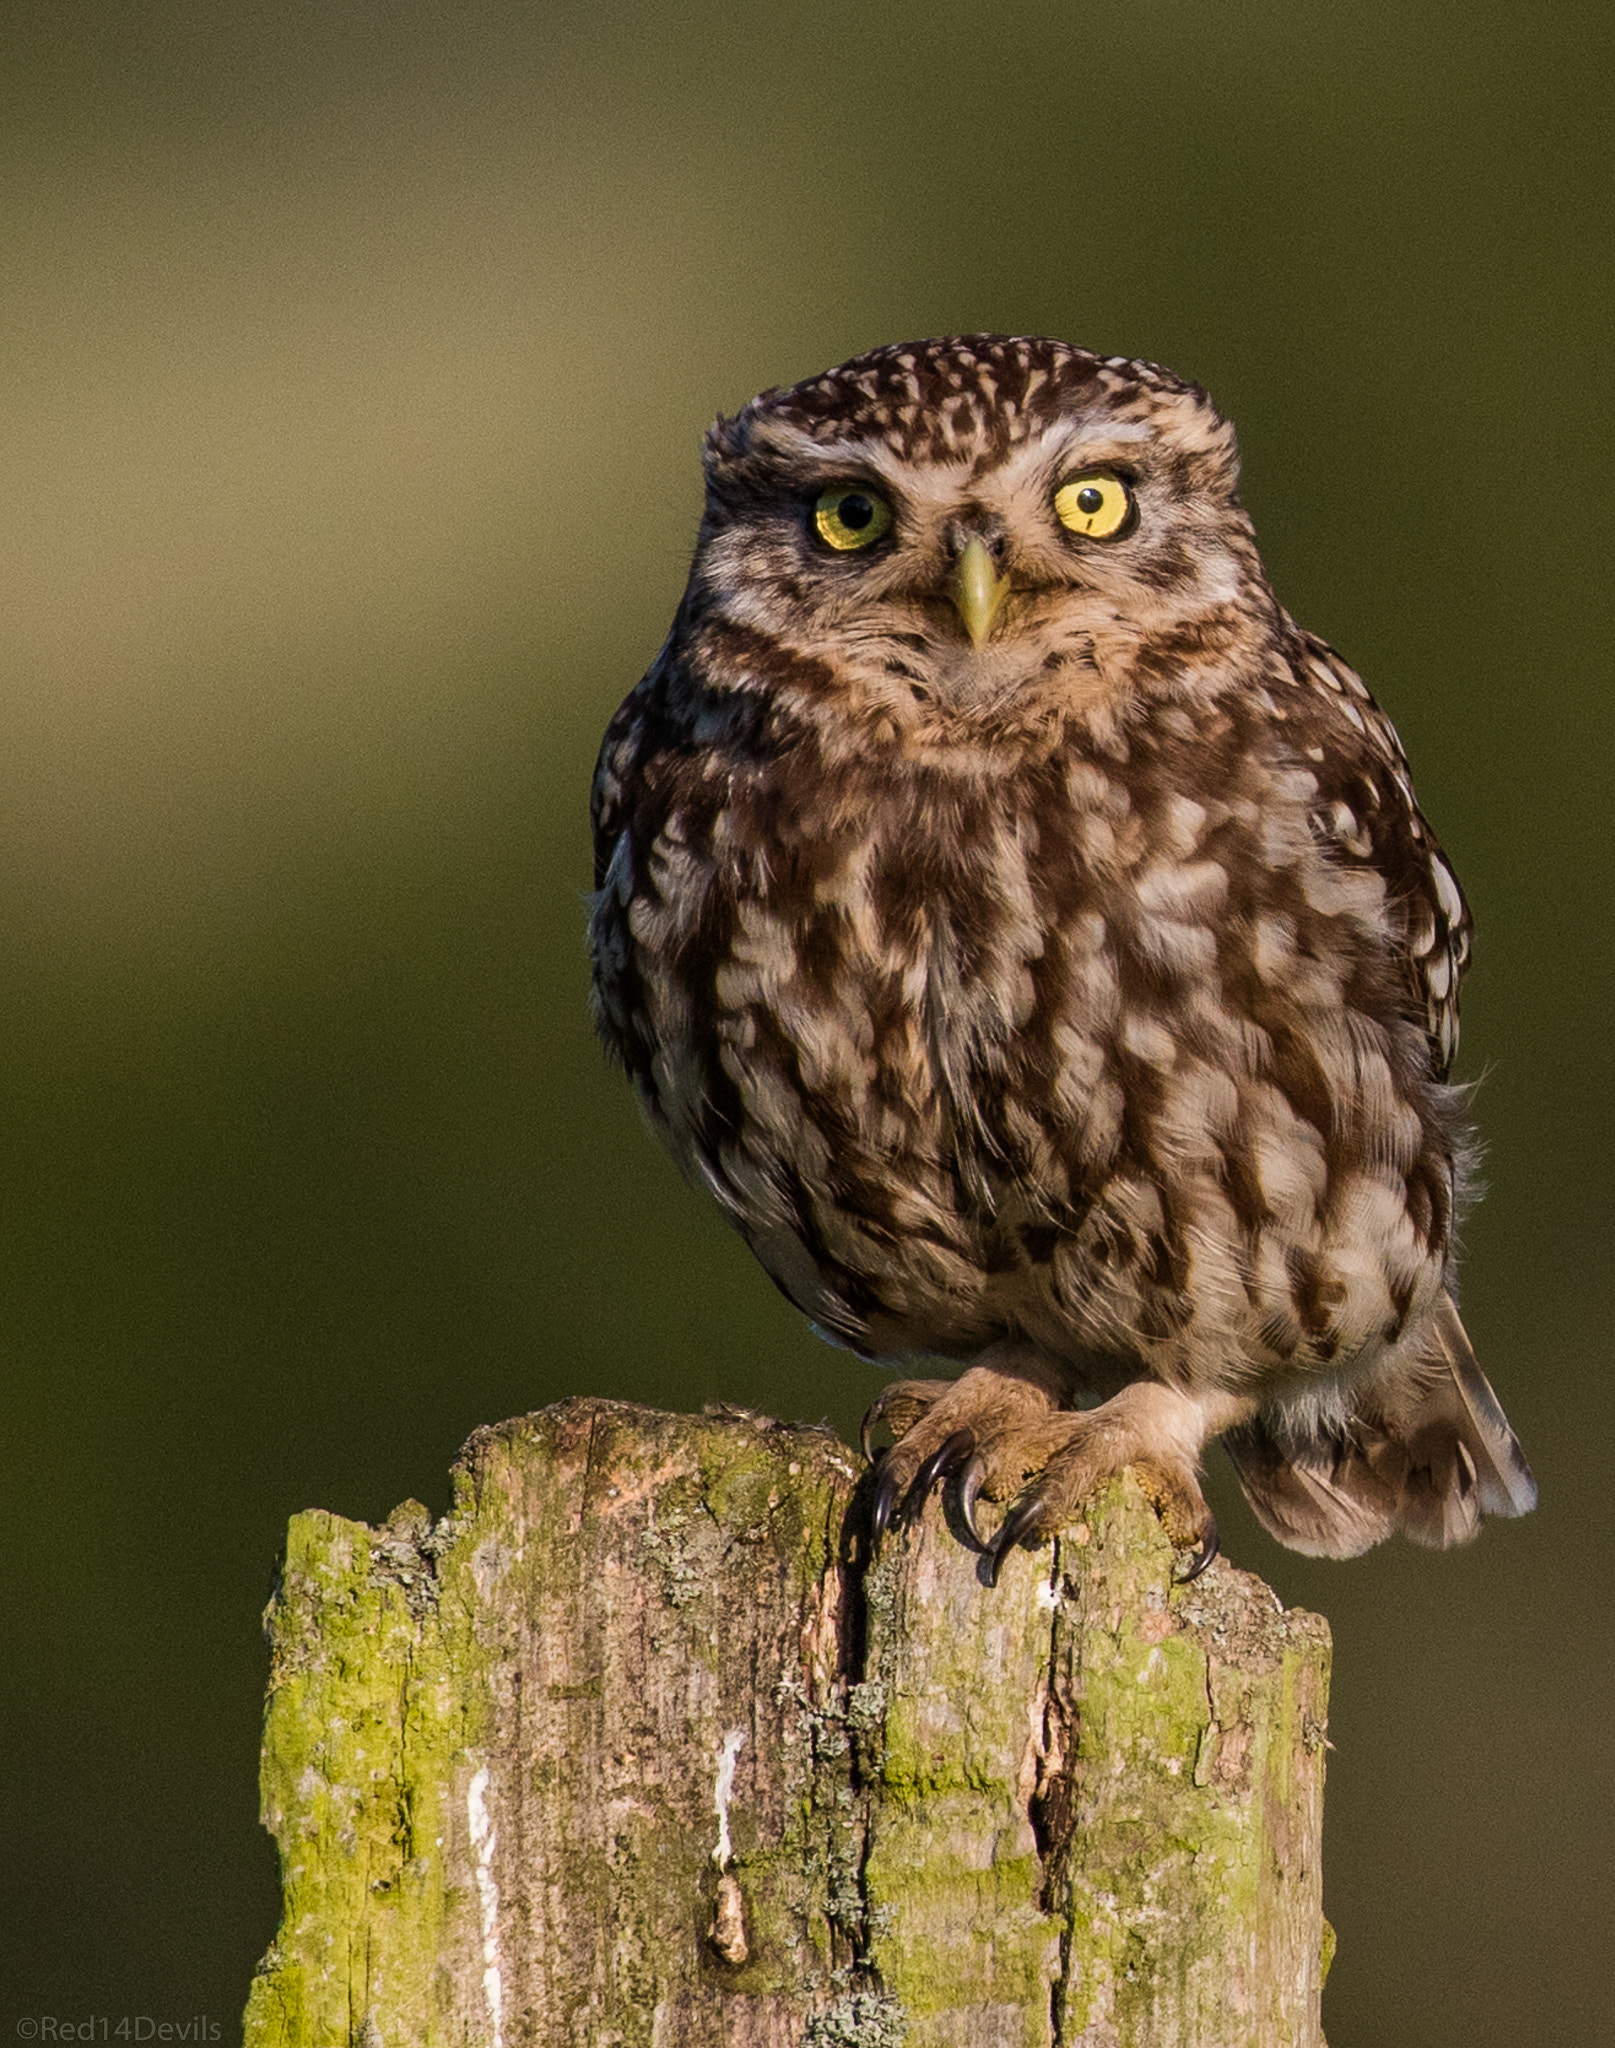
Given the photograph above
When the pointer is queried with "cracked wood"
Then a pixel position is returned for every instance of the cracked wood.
(636, 1747)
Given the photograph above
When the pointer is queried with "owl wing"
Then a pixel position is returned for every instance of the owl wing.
(617, 999)
(613, 772)
(1367, 814)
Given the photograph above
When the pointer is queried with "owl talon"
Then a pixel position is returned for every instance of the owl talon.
(1024, 1521)
(899, 1406)
(884, 1506)
(967, 1485)
(893, 1500)
(947, 1458)
(1205, 1550)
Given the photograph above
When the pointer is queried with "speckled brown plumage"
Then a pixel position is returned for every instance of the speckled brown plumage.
(1074, 995)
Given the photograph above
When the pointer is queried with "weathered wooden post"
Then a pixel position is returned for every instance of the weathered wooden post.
(634, 1748)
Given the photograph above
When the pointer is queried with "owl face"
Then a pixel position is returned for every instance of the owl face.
(970, 533)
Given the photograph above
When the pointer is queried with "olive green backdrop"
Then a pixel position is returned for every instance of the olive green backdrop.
(355, 362)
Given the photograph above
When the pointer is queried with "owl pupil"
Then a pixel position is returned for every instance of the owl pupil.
(855, 511)
(1088, 500)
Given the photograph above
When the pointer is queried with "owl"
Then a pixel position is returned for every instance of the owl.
(1028, 937)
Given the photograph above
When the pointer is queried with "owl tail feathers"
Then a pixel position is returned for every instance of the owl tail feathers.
(1426, 1450)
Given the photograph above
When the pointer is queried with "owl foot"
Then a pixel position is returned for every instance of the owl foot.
(939, 1425)
(988, 1435)
(1176, 1498)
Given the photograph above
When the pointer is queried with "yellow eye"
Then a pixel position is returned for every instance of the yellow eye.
(850, 517)
(1098, 506)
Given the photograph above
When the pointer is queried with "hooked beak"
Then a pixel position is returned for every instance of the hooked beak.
(977, 590)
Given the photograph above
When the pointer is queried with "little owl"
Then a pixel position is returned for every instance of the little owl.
(1028, 936)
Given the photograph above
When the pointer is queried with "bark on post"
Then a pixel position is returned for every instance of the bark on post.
(633, 1748)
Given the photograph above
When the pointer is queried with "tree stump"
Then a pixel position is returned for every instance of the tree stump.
(637, 1746)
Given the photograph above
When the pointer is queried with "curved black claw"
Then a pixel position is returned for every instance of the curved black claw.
(952, 1453)
(1017, 1525)
(1206, 1551)
(889, 1501)
(887, 1489)
(866, 1428)
(967, 1485)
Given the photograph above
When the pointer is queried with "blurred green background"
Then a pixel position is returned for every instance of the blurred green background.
(355, 363)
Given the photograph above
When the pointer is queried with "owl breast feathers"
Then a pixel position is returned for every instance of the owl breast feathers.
(1027, 935)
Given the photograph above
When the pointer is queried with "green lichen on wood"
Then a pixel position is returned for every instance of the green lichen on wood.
(367, 1717)
(638, 1747)
(953, 1872)
(1187, 1866)
(1115, 1840)
(588, 1630)
(863, 2019)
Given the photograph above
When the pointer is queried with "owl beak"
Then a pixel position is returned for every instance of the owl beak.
(977, 589)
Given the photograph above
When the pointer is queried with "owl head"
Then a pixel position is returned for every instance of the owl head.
(976, 529)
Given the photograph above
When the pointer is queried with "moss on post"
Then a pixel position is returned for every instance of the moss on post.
(634, 1747)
